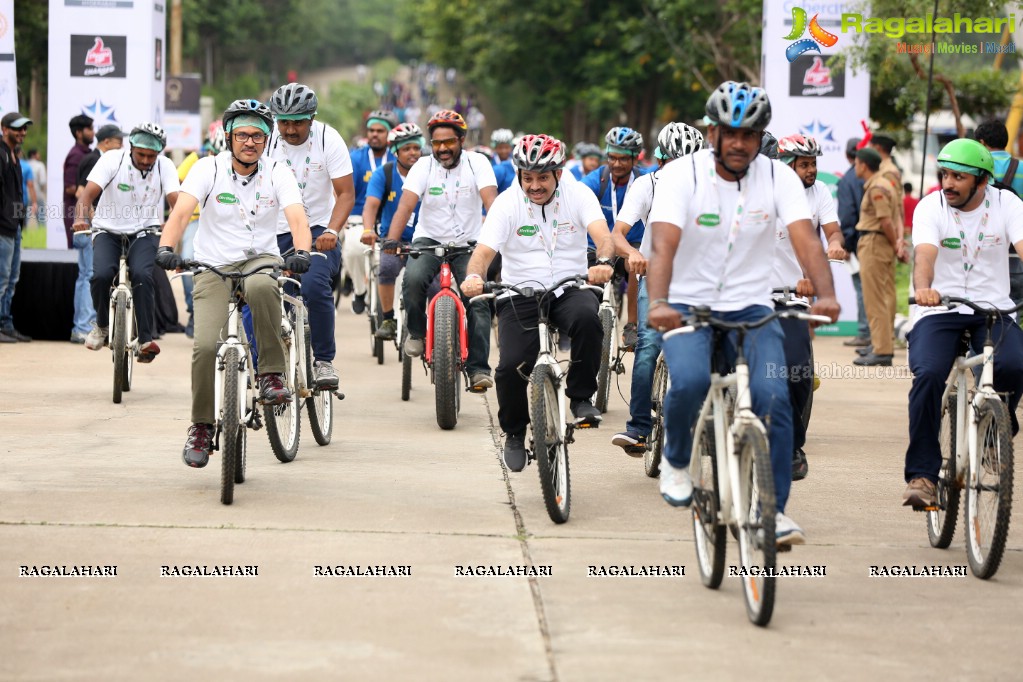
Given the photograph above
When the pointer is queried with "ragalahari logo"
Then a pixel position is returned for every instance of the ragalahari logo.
(100, 57)
(818, 36)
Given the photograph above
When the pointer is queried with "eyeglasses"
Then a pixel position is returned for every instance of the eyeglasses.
(257, 138)
(615, 160)
(449, 143)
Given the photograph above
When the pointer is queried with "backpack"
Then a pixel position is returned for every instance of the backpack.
(605, 178)
(1010, 175)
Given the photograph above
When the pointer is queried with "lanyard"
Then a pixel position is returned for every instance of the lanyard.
(737, 217)
(971, 256)
(614, 196)
(302, 178)
(539, 229)
(147, 186)
(249, 215)
(373, 159)
(452, 197)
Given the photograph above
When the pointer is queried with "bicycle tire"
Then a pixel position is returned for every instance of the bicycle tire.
(655, 444)
(129, 370)
(284, 423)
(319, 405)
(607, 358)
(994, 476)
(941, 523)
(549, 445)
(757, 540)
(239, 460)
(406, 367)
(119, 343)
(445, 361)
(230, 426)
(808, 408)
(708, 534)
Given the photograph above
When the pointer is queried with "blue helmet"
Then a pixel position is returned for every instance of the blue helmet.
(625, 139)
(739, 105)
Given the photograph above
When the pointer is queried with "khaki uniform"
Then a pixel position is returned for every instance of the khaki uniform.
(877, 259)
(891, 172)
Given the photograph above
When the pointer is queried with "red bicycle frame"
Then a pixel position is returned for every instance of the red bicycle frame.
(463, 329)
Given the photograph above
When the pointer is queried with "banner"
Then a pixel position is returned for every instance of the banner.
(812, 97)
(106, 61)
(182, 120)
(8, 70)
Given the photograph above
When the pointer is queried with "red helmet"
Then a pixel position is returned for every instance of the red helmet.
(539, 153)
(798, 145)
(451, 119)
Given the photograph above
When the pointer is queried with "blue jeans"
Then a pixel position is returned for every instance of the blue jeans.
(85, 313)
(688, 357)
(10, 270)
(644, 364)
(188, 253)
(862, 328)
(318, 295)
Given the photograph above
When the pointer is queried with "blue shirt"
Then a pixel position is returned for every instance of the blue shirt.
(26, 177)
(577, 171)
(389, 204)
(504, 171)
(362, 171)
(1002, 159)
(592, 180)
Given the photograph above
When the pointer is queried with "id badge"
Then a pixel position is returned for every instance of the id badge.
(250, 252)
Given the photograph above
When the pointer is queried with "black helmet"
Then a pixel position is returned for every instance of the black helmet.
(240, 107)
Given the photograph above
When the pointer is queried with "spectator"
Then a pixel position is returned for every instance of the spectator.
(85, 314)
(909, 203)
(107, 138)
(28, 188)
(39, 176)
(993, 135)
(885, 145)
(13, 127)
(850, 195)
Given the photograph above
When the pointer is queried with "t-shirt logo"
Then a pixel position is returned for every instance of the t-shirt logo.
(950, 243)
(123, 187)
(436, 191)
(526, 231)
(227, 198)
(708, 219)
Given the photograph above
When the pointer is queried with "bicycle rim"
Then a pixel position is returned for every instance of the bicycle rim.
(607, 357)
(989, 490)
(549, 445)
(319, 405)
(757, 541)
(941, 523)
(119, 343)
(655, 444)
(709, 535)
(283, 424)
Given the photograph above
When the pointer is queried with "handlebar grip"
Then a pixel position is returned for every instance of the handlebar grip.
(912, 300)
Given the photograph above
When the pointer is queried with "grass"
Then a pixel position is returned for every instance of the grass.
(34, 237)
(902, 274)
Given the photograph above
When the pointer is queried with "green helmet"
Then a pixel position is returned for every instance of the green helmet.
(967, 156)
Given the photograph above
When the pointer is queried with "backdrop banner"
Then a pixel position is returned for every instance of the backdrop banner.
(8, 72)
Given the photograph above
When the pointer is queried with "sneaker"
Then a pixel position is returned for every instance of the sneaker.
(921, 492)
(387, 330)
(800, 467)
(272, 390)
(787, 531)
(78, 338)
(198, 445)
(585, 413)
(16, 335)
(515, 452)
(96, 339)
(632, 442)
(676, 485)
(346, 286)
(148, 352)
(857, 341)
(630, 336)
(481, 381)
(874, 360)
(359, 304)
(325, 376)
(414, 347)
(4, 338)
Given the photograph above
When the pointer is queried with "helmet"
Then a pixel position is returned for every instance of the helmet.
(404, 134)
(539, 153)
(218, 142)
(589, 149)
(294, 100)
(797, 145)
(625, 139)
(385, 115)
(251, 107)
(501, 136)
(678, 139)
(137, 137)
(451, 119)
(769, 145)
(967, 156)
(485, 151)
(739, 105)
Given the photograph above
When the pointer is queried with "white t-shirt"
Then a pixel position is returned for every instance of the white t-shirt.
(541, 246)
(705, 216)
(636, 208)
(129, 202)
(452, 210)
(787, 270)
(315, 162)
(997, 223)
(238, 216)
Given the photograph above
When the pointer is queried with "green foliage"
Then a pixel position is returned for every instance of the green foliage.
(345, 107)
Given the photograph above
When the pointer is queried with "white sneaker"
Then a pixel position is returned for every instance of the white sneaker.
(676, 485)
(414, 347)
(787, 531)
(96, 338)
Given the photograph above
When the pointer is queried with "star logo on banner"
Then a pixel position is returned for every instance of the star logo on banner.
(98, 111)
(818, 130)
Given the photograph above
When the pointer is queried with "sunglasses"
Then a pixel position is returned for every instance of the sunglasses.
(449, 143)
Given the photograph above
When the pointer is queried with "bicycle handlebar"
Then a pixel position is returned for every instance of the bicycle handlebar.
(442, 251)
(195, 266)
(702, 319)
(151, 230)
(949, 301)
(491, 289)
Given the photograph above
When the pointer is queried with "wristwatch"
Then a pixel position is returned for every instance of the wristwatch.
(603, 261)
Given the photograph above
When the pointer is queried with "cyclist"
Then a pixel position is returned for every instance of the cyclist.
(131, 185)
(590, 158)
(365, 160)
(675, 140)
(406, 143)
(728, 199)
(611, 183)
(554, 249)
(455, 186)
(318, 156)
(504, 171)
(239, 195)
(800, 154)
(962, 236)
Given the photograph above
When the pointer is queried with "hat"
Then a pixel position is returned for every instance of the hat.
(108, 131)
(868, 154)
(14, 119)
(851, 146)
(886, 142)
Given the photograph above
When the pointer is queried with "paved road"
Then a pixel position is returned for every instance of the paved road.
(87, 482)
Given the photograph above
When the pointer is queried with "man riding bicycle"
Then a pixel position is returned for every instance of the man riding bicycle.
(713, 240)
(240, 195)
(540, 228)
(962, 236)
(455, 186)
(318, 156)
(134, 183)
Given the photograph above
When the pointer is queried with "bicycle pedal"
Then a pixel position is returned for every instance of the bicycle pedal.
(473, 389)
(339, 395)
(587, 424)
(925, 509)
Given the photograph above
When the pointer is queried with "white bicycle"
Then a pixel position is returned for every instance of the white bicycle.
(610, 355)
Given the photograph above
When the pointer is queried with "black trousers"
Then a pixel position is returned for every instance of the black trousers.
(106, 257)
(798, 349)
(575, 313)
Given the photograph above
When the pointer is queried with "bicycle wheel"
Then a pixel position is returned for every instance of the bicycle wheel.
(549, 445)
(607, 358)
(989, 490)
(655, 444)
(757, 548)
(283, 423)
(319, 405)
(445, 361)
(808, 408)
(119, 343)
(406, 367)
(239, 459)
(941, 522)
(709, 534)
(231, 439)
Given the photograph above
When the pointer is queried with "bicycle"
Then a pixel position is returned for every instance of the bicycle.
(733, 484)
(338, 282)
(550, 430)
(789, 297)
(976, 454)
(610, 352)
(376, 313)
